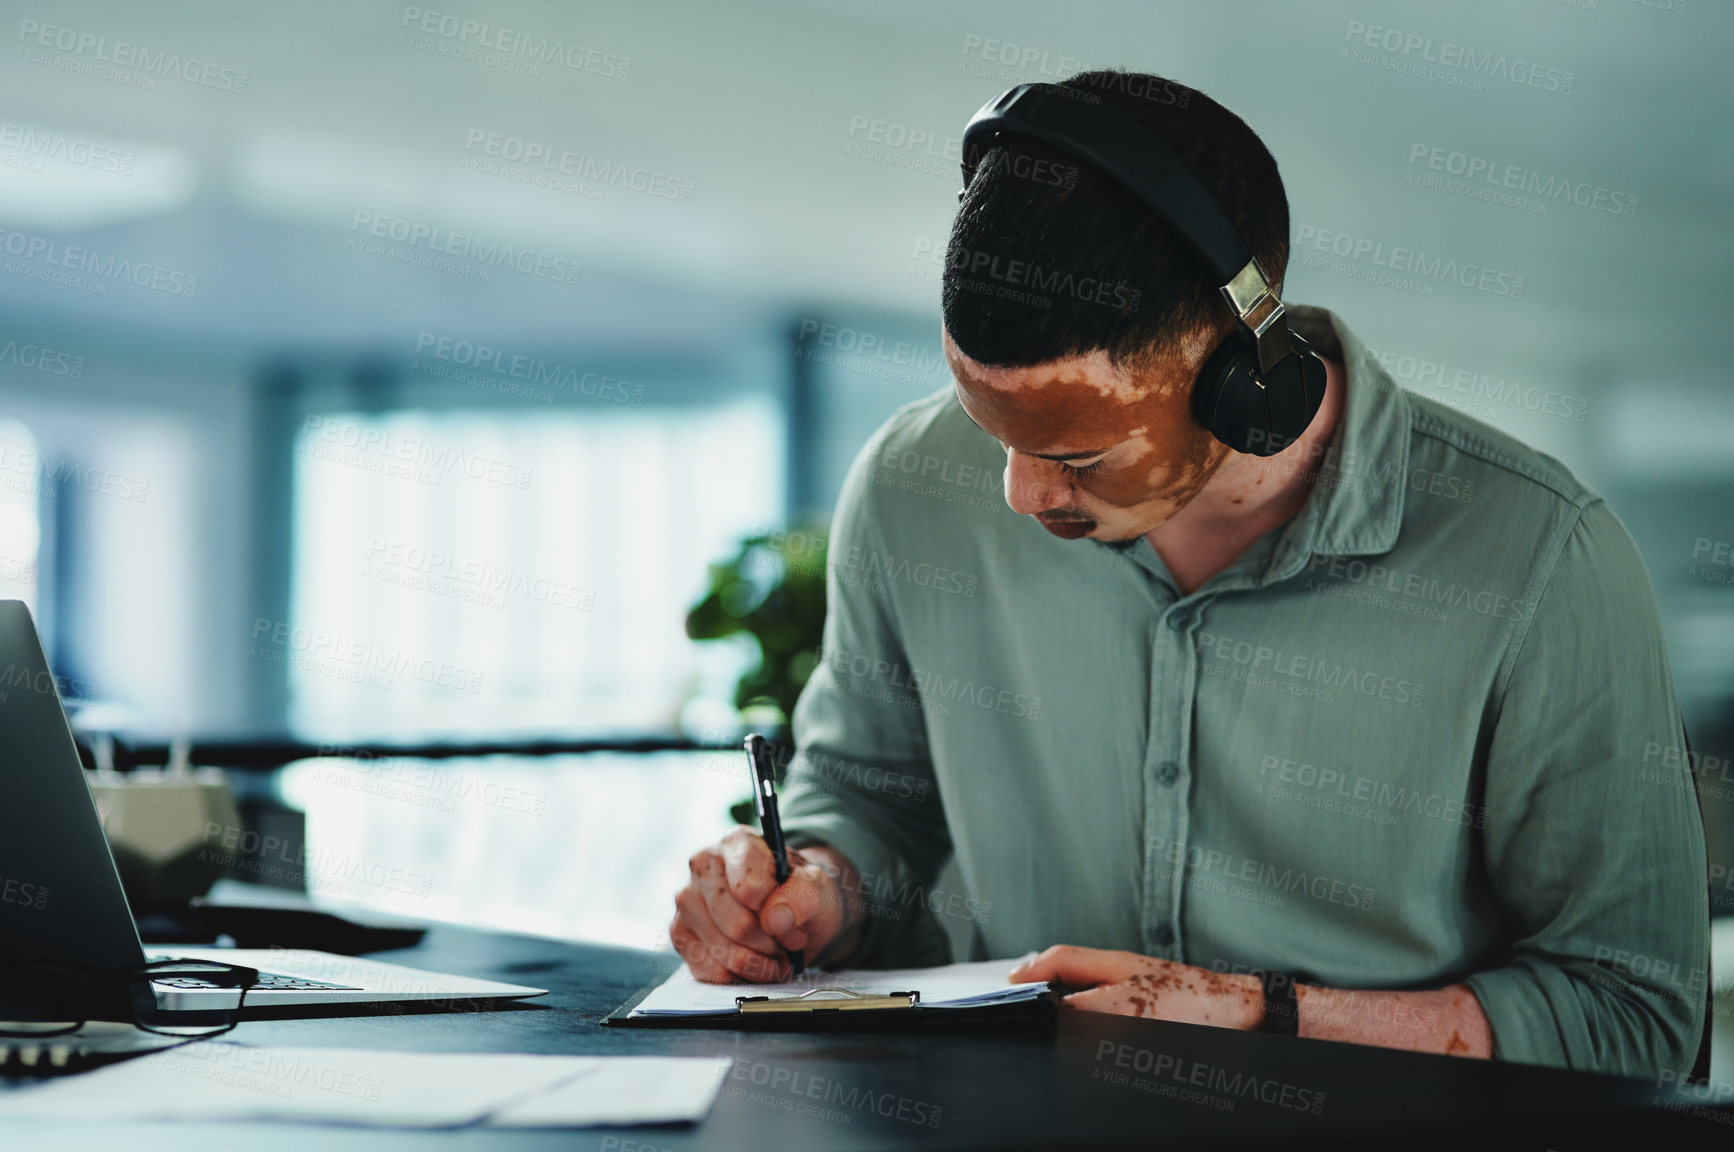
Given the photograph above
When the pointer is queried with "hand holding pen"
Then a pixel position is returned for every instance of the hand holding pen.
(770, 825)
(744, 917)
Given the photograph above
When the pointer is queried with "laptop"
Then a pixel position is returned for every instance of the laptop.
(60, 893)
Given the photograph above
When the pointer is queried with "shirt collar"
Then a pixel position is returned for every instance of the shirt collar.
(1356, 509)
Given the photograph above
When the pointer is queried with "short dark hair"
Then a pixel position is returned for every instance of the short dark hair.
(1050, 257)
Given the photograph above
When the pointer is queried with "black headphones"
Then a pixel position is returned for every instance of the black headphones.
(1260, 388)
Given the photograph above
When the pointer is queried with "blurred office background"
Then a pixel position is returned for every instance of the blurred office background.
(309, 348)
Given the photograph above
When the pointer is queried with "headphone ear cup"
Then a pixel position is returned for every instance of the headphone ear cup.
(1224, 398)
(1293, 391)
(1250, 418)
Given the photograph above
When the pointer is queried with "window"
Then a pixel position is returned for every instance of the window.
(588, 847)
(488, 573)
(20, 523)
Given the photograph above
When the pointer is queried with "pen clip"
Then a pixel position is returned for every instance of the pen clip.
(758, 751)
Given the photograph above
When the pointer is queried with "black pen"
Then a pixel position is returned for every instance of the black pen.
(765, 803)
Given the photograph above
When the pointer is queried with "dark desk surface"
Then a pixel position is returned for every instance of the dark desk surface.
(1065, 1086)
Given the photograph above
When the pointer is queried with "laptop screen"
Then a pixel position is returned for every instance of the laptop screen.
(60, 895)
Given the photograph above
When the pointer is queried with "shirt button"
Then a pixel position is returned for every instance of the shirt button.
(1164, 935)
(1179, 619)
(1168, 772)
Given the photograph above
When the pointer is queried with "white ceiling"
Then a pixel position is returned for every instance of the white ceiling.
(753, 100)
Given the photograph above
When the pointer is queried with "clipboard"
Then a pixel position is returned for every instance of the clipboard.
(842, 1010)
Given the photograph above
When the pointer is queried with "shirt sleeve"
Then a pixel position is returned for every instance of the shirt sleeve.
(1593, 838)
(861, 779)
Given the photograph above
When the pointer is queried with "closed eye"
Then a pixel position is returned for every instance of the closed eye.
(1069, 468)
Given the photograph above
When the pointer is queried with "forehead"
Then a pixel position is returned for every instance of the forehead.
(1077, 404)
(1088, 376)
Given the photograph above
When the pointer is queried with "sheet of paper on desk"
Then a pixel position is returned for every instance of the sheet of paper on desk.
(949, 986)
(214, 1080)
(621, 1090)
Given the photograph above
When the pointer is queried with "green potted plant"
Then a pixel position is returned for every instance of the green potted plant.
(772, 589)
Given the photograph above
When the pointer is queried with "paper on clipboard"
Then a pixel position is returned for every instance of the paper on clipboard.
(950, 986)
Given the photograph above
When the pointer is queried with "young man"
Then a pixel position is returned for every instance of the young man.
(1370, 711)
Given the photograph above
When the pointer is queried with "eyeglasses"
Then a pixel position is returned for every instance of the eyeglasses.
(57, 997)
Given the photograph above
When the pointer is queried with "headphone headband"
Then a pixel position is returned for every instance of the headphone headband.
(1121, 148)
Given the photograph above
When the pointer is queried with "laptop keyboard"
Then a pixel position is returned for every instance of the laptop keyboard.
(268, 982)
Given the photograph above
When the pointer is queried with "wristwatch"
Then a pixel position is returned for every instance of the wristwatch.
(1281, 1008)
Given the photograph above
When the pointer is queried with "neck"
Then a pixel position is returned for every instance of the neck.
(1249, 495)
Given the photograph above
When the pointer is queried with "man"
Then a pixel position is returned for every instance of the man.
(1368, 711)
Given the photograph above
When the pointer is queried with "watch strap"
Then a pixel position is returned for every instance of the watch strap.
(1281, 1007)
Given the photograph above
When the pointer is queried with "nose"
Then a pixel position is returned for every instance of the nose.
(1030, 484)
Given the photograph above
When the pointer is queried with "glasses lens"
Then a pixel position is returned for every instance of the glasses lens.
(190, 1031)
(200, 978)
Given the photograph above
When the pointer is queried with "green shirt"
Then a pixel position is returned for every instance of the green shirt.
(1424, 732)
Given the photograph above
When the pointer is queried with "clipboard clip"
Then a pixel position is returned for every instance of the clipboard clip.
(829, 1000)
